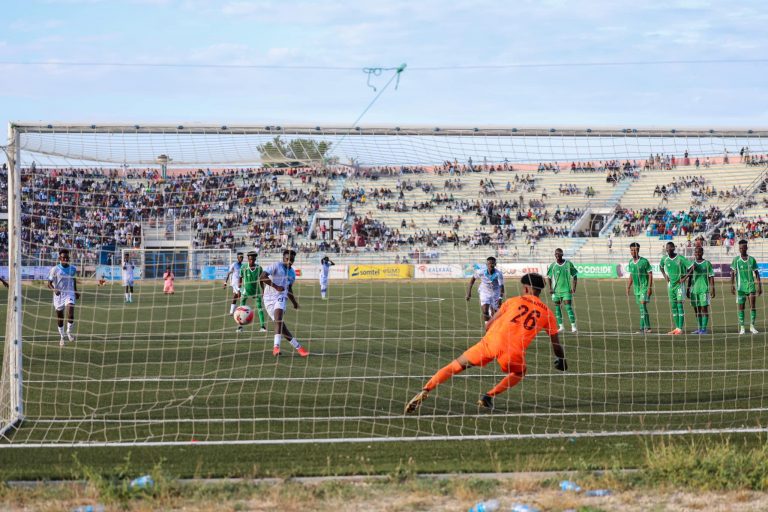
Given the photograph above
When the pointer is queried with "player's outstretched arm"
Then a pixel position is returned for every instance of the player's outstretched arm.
(712, 286)
(629, 285)
(759, 282)
(226, 279)
(266, 281)
(292, 297)
(733, 281)
(469, 287)
(560, 362)
(650, 283)
(5, 283)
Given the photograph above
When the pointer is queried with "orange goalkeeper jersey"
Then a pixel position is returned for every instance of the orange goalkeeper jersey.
(518, 321)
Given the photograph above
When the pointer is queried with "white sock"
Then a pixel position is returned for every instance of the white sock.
(231, 308)
(295, 343)
(61, 331)
(278, 339)
(126, 295)
(70, 325)
(322, 294)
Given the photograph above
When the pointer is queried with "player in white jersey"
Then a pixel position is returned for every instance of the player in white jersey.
(325, 271)
(491, 289)
(62, 280)
(233, 280)
(127, 271)
(277, 280)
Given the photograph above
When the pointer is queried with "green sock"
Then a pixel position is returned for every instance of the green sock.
(680, 315)
(558, 314)
(704, 322)
(571, 314)
(752, 316)
(741, 317)
(675, 320)
(260, 310)
(642, 317)
(646, 315)
(243, 300)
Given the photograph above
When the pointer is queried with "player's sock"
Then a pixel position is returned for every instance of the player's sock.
(295, 343)
(70, 325)
(675, 320)
(61, 330)
(260, 312)
(741, 317)
(571, 314)
(443, 374)
(558, 314)
(645, 316)
(278, 339)
(126, 297)
(680, 315)
(232, 308)
(704, 322)
(507, 382)
(322, 295)
(752, 316)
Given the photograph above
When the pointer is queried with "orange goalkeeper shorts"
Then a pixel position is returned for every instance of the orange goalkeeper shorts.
(483, 352)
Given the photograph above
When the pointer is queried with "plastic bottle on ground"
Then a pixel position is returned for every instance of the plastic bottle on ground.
(485, 506)
(567, 485)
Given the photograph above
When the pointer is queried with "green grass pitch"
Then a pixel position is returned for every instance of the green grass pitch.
(172, 369)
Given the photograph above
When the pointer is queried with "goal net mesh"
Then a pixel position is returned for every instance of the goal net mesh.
(407, 216)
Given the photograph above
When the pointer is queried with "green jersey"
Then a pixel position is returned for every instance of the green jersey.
(702, 271)
(640, 273)
(745, 273)
(675, 268)
(250, 276)
(561, 276)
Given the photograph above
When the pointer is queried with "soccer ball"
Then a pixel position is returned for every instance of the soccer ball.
(243, 315)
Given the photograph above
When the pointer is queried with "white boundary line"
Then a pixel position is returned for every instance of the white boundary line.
(335, 440)
(488, 416)
(384, 377)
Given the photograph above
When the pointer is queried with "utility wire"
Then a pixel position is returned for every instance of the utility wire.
(300, 67)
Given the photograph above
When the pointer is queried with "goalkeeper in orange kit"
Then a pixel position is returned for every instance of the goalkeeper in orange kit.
(508, 334)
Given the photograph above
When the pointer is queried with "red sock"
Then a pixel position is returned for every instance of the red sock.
(443, 374)
(507, 382)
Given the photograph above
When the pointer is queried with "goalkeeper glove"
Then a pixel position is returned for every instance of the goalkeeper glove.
(561, 364)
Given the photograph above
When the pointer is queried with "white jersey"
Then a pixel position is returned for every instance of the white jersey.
(280, 275)
(490, 283)
(128, 272)
(234, 269)
(63, 279)
(325, 271)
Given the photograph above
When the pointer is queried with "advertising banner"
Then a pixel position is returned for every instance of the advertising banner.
(434, 271)
(214, 272)
(597, 270)
(28, 273)
(516, 270)
(313, 272)
(380, 271)
(762, 267)
(115, 272)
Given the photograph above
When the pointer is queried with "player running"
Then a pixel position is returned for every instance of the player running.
(278, 281)
(674, 267)
(745, 283)
(641, 277)
(701, 288)
(491, 289)
(249, 285)
(325, 271)
(233, 280)
(508, 334)
(127, 271)
(62, 280)
(559, 275)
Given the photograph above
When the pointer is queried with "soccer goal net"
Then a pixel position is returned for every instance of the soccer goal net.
(168, 230)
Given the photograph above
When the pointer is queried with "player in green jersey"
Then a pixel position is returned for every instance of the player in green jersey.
(641, 277)
(745, 283)
(674, 267)
(701, 288)
(559, 275)
(250, 287)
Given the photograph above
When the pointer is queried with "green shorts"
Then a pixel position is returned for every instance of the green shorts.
(700, 299)
(741, 297)
(250, 291)
(560, 297)
(677, 294)
(642, 297)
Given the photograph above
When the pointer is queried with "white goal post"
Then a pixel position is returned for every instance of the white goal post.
(408, 215)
